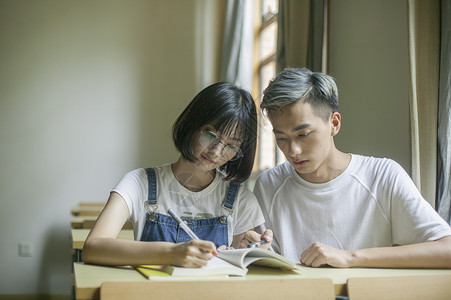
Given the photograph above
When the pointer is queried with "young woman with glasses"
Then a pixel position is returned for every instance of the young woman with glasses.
(216, 138)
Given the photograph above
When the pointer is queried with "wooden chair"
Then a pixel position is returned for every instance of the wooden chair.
(286, 289)
(436, 287)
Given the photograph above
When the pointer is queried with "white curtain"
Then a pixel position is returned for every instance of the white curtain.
(238, 44)
(444, 115)
(302, 34)
(424, 49)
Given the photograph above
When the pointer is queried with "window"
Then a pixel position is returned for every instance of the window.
(268, 154)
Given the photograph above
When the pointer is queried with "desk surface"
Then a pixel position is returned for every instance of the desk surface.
(89, 278)
(91, 204)
(87, 210)
(79, 236)
(77, 221)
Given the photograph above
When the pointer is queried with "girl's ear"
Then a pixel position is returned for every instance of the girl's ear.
(335, 123)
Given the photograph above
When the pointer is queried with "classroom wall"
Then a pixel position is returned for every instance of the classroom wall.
(369, 59)
(88, 91)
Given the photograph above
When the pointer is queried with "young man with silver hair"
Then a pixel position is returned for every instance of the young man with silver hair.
(327, 207)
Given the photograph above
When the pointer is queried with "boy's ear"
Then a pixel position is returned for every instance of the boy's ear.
(335, 122)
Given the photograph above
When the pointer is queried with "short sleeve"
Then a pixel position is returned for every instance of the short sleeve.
(133, 189)
(264, 197)
(248, 213)
(414, 220)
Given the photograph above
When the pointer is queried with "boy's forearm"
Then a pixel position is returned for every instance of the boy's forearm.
(436, 254)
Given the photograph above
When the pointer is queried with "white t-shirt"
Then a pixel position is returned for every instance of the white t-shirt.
(373, 203)
(207, 203)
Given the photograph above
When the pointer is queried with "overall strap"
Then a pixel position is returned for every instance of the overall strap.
(152, 191)
(231, 196)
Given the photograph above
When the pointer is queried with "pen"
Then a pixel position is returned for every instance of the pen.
(183, 225)
(253, 245)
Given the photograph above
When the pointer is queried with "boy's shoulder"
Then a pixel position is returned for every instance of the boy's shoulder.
(372, 161)
(276, 174)
(374, 166)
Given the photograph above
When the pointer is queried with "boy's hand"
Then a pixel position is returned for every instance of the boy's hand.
(251, 236)
(319, 254)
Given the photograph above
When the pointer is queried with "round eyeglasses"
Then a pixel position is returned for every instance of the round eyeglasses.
(209, 139)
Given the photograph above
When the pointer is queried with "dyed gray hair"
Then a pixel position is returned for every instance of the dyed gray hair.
(295, 84)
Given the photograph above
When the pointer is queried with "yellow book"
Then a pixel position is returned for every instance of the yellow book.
(150, 271)
(229, 262)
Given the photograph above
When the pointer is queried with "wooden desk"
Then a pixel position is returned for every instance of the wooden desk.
(437, 287)
(91, 204)
(77, 222)
(287, 289)
(89, 278)
(93, 210)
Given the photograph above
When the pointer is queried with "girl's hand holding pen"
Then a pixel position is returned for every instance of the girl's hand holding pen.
(253, 239)
(193, 254)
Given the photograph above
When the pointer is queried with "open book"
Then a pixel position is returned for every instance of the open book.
(229, 262)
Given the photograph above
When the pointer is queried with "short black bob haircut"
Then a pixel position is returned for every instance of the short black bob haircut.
(230, 110)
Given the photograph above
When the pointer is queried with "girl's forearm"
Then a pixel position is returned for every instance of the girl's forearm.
(112, 251)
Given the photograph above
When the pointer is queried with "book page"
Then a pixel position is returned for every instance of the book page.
(214, 267)
(269, 259)
(235, 256)
(245, 257)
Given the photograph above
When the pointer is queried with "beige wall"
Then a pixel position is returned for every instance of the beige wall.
(88, 91)
(368, 58)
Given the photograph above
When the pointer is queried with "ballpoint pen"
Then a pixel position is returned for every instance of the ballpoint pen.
(253, 245)
(183, 225)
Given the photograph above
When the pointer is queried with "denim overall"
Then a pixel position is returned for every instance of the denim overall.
(159, 227)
